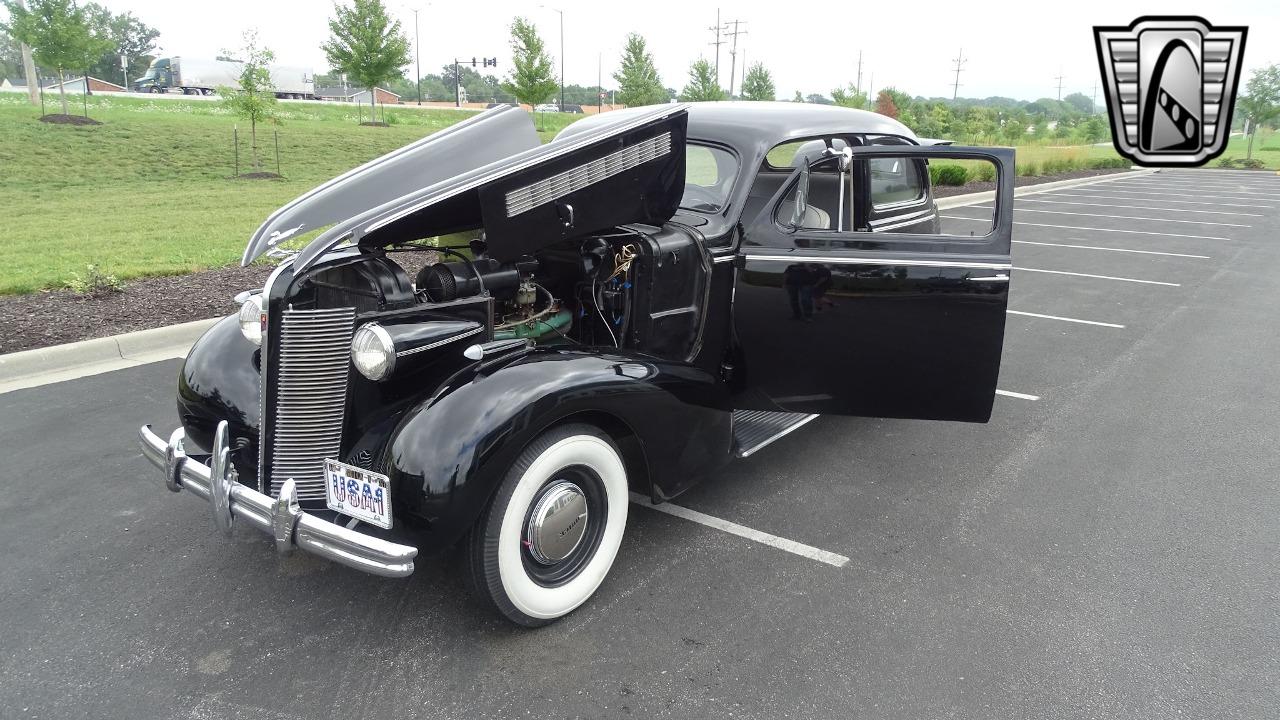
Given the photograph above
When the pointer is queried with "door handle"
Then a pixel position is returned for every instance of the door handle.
(989, 278)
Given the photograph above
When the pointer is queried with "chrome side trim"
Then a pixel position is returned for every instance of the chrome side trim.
(524, 199)
(716, 260)
(438, 343)
(911, 220)
(837, 260)
(990, 278)
(748, 452)
(280, 517)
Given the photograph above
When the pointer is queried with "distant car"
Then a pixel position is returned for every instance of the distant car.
(547, 107)
(575, 109)
(614, 326)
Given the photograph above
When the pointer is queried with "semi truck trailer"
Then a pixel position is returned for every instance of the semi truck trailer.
(196, 76)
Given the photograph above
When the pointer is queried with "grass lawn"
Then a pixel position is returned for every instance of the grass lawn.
(1266, 147)
(150, 192)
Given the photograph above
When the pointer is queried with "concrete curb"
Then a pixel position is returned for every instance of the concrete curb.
(954, 201)
(41, 366)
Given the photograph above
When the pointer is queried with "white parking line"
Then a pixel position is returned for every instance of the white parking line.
(1226, 190)
(1123, 250)
(1099, 277)
(1191, 192)
(764, 538)
(1065, 319)
(1139, 207)
(1020, 396)
(1148, 199)
(1089, 229)
(1116, 217)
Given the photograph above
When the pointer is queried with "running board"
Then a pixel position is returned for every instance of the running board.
(754, 429)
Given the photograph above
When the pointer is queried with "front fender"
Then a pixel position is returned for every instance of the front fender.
(448, 455)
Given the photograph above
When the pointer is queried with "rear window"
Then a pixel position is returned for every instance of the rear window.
(894, 181)
(708, 177)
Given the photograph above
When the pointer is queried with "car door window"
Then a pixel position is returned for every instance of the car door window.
(895, 181)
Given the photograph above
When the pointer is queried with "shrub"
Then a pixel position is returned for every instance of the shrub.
(986, 172)
(1225, 162)
(94, 282)
(948, 174)
(1107, 163)
(1028, 169)
(1251, 163)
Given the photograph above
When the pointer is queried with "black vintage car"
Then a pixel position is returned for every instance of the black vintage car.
(632, 305)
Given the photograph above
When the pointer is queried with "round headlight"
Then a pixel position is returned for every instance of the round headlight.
(251, 319)
(372, 351)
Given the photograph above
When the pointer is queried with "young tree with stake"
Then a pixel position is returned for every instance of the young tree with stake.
(60, 37)
(532, 76)
(366, 44)
(758, 84)
(637, 76)
(254, 99)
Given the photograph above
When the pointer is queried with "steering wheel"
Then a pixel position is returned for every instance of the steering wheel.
(697, 197)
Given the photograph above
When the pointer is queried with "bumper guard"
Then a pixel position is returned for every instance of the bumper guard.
(280, 517)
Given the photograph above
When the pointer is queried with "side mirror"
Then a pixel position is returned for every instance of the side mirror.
(802, 198)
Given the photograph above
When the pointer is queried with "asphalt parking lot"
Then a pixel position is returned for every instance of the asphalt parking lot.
(1107, 547)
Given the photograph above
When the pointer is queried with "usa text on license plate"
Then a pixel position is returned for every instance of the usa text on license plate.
(359, 493)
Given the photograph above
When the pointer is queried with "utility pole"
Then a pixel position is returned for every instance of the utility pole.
(1058, 77)
(858, 87)
(599, 83)
(717, 28)
(733, 53)
(1093, 109)
(548, 7)
(955, 86)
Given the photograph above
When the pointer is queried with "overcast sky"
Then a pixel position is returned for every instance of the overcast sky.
(1015, 49)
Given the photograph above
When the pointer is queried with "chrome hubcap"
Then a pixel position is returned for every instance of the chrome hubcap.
(557, 523)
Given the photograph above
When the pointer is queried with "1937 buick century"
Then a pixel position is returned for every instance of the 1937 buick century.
(643, 298)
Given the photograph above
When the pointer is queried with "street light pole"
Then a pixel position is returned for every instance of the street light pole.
(548, 7)
(417, 56)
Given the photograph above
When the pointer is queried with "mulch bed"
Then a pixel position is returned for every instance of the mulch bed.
(60, 119)
(974, 187)
(53, 317)
(376, 123)
(258, 176)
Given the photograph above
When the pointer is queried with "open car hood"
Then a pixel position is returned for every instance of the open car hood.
(479, 140)
(530, 197)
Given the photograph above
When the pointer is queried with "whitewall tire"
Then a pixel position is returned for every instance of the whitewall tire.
(549, 536)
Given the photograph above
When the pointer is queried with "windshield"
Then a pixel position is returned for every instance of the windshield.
(709, 173)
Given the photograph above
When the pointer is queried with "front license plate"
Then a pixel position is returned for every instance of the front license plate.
(359, 493)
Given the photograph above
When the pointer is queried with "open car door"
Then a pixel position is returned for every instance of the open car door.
(844, 311)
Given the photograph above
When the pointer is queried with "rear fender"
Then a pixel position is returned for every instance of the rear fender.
(449, 454)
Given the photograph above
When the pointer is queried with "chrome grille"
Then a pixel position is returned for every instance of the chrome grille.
(313, 363)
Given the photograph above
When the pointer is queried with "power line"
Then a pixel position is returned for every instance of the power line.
(955, 86)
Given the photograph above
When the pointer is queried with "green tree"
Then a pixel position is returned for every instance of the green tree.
(1261, 101)
(1080, 102)
(253, 99)
(900, 99)
(366, 44)
(10, 56)
(129, 36)
(1094, 129)
(757, 84)
(702, 86)
(532, 79)
(59, 34)
(637, 76)
(850, 98)
(1015, 126)
(798, 97)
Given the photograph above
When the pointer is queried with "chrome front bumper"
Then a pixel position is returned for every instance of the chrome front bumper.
(280, 517)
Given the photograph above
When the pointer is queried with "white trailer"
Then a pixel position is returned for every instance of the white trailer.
(199, 76)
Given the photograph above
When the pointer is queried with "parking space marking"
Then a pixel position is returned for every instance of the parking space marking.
(1019, 396)
(1147, 199)
(1089, 229)
(1109, 249)
(1065, 319)
(1226, 190)
(742, 531)
(1098, 277)
(1140, 207)
(1215, 194)
(1115, 217)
